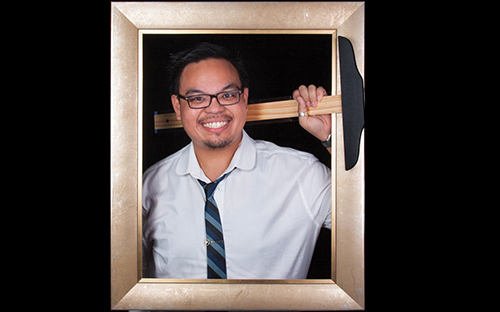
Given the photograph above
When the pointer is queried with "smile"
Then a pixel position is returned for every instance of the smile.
(215, 125)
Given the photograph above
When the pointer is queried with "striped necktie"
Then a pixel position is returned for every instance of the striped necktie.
(216, 256)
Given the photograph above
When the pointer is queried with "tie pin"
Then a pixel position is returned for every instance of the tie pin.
(208, 242)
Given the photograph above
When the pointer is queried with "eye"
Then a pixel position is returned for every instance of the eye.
(197, 98)
(229, 95)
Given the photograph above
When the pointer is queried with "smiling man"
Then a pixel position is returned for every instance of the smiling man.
(215, 130)
(227, 206)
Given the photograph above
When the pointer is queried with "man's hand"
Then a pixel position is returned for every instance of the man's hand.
(320, 125)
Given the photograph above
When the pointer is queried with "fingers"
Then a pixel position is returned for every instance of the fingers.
(321, 92)
(302, 103)
(310, 95)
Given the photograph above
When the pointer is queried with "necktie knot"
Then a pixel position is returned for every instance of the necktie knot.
(210, 187)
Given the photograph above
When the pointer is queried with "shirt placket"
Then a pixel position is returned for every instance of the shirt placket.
(219, 197)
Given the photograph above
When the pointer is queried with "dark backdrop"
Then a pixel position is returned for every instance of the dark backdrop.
(277, 65)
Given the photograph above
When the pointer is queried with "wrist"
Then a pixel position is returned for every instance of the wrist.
(328, 141)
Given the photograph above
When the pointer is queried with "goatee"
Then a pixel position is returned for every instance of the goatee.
(217, 143)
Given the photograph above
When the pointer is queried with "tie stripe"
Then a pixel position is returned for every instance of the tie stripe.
(216, 254)
(216, 258)
(212, 233)
(214, 271)
(213, 223)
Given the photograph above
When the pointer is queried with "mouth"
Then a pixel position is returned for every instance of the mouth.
(215, 125)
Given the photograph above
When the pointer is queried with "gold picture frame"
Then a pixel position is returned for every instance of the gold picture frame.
(345, 290)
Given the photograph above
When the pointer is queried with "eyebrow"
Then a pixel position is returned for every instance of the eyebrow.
(196, 91)
(193, 91)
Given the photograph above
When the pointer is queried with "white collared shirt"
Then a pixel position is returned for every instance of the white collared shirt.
(272, 207)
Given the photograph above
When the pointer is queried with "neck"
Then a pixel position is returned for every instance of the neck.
(214, 162)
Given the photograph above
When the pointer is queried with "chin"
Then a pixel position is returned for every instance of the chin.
(218, 143)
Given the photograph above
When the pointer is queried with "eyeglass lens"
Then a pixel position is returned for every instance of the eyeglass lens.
(224, 98)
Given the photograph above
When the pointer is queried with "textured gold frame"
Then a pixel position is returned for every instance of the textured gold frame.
(345, 291)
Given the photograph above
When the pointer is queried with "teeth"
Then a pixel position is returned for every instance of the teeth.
(215, 125)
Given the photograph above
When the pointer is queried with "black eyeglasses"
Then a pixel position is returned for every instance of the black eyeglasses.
(224, 98)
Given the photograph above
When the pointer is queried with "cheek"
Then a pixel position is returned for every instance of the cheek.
(189, 118)
(242, 114)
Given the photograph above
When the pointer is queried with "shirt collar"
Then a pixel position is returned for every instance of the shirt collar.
(245, 155)
(243, 159)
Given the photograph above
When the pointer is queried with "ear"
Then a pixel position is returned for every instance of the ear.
(176, 105)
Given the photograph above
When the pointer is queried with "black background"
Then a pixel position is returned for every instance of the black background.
(277, 65)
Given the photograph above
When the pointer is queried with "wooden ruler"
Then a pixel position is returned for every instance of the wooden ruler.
(265, 111)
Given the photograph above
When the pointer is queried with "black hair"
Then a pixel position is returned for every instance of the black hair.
(203, 51)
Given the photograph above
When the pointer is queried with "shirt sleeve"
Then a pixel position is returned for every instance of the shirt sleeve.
(148, 267)
(315, 186)
(147, 257)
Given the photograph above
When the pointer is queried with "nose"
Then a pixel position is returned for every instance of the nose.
(214, 106)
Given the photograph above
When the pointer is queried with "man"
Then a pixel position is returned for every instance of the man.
(226, 206)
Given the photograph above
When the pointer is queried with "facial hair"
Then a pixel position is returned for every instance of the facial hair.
(218, 143)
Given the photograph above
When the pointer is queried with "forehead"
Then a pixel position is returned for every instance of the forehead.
(208, 75)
